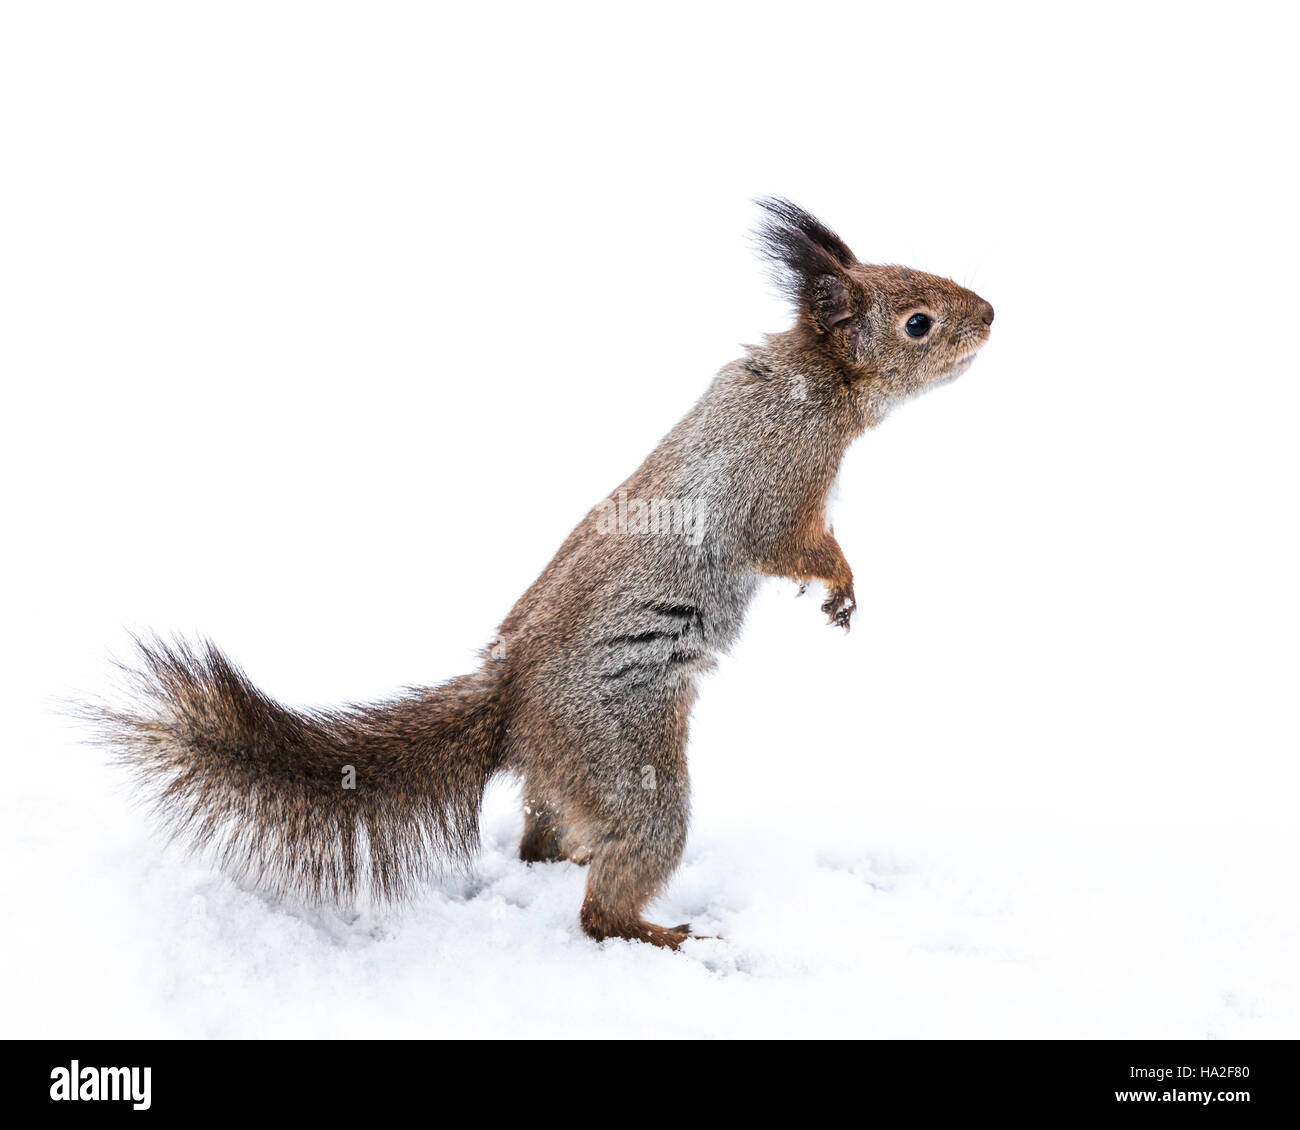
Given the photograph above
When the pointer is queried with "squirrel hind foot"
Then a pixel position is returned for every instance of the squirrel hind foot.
(641, 931)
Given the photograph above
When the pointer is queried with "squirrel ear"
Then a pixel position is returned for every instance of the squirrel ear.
(808, 261)
(828, 302)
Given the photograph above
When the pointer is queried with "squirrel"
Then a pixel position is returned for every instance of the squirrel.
(586, 691)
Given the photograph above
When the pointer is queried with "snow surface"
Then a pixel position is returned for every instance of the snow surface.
(832, 924)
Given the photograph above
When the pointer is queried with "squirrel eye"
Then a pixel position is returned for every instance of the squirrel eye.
(918, 325)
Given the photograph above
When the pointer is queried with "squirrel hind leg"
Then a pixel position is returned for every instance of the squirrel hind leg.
(541, 839)
(547, 837)
(624, 801)
(627, 871)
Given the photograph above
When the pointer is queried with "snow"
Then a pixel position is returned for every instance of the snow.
(831, 921)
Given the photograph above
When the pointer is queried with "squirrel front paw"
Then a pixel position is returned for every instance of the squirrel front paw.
(840, 607)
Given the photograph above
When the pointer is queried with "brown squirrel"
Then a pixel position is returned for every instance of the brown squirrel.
(586, 691)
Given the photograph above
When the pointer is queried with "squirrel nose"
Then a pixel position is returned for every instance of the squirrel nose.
(987, 314)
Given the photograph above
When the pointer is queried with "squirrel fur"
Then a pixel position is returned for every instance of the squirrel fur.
(586, 691)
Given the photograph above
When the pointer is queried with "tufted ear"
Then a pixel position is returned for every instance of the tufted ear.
(808, 260)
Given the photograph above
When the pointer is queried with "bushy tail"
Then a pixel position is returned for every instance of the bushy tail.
(229, 769)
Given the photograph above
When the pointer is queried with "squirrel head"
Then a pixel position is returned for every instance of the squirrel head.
(894, 330)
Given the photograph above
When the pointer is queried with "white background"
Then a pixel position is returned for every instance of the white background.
(321, 325)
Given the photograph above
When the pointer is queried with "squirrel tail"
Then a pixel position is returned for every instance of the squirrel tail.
(318, 805)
